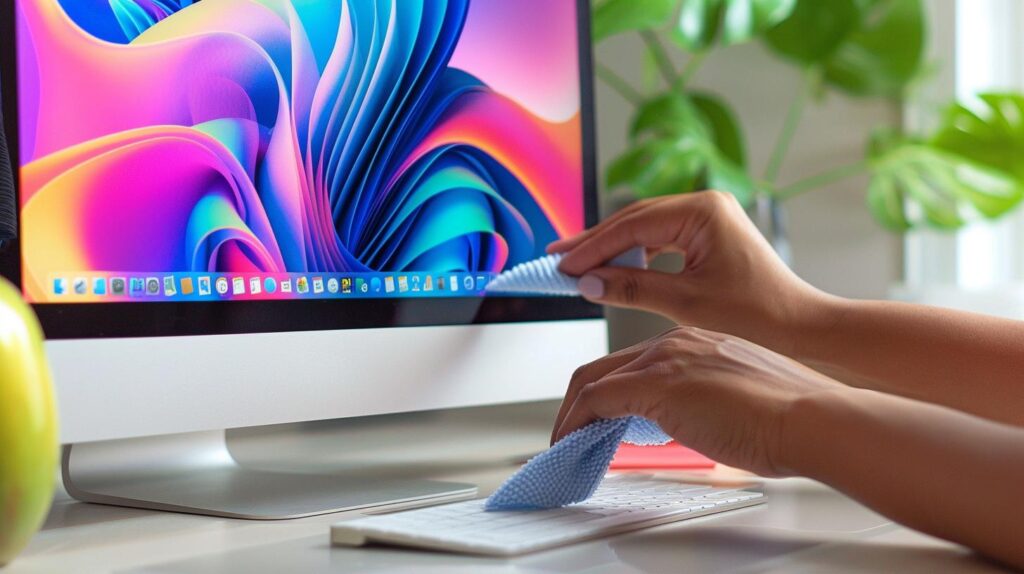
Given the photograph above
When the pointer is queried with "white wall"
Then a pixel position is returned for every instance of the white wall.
(836, 244)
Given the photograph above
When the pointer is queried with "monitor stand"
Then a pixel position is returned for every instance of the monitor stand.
(196, 473)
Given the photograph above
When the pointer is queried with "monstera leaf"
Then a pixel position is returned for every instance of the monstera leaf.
(736, 21)
(613, 17)
(863, 47)
(991, 134)
(815, 30)
(944, 188)
(678, 148)
(725, 128)
(884, 54)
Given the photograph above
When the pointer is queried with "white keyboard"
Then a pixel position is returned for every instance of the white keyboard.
(621, 503)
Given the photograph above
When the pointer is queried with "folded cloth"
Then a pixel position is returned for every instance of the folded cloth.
(571, 470)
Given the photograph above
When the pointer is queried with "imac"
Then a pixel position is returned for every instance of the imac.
(235, 213)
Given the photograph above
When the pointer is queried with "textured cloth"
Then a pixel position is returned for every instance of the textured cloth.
(8, 216)
(541, 276)
(571, 470)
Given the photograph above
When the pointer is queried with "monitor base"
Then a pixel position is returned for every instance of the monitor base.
(195, 473)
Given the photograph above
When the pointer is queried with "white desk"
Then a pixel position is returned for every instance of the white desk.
(805, 527)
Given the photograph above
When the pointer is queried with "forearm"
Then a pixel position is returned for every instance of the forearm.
(971, 362)
(942, 472)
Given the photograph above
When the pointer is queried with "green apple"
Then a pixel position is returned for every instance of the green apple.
(28, 425)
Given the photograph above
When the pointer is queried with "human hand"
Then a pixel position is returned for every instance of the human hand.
(733, 281)
(720, 395)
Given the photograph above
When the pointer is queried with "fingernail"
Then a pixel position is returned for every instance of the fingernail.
(591, 287)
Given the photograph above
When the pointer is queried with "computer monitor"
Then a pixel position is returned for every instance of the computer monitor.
(243, 212)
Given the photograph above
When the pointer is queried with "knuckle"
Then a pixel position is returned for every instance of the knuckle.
(587, 393)
(659, 368)
(630, 289)
(719, 201)
(578, 374)
(670, 346)
(721, 197)
(684, 332)
(720, 347)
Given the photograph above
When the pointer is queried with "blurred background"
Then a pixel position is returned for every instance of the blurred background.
(876, 142)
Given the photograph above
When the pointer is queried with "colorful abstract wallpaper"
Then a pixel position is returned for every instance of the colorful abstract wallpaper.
(278, 137)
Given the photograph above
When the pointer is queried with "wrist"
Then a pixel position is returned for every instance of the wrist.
(812, 431)
(810, 325)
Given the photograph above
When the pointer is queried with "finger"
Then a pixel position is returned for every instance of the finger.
(638, 229)
(653, 291)
(614, 396)
(563, 245)
(593, 371)
(654, 228)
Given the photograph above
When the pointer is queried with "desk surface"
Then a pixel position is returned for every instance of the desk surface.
(805, 527)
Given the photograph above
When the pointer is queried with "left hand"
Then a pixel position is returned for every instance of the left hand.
(720, 395)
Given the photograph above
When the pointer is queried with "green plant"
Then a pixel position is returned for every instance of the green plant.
(683, 139)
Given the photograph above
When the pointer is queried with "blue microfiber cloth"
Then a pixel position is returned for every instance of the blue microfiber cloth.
(571, 470)
(542, 276)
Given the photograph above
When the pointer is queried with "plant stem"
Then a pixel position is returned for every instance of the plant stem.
(619, 84)
(661, 57)
(821, 180)
(792, 122)
(692, 66)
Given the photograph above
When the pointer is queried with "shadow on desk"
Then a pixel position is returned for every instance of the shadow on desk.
(71, 514)
(766, 549)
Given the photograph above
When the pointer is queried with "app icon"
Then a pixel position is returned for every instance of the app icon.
(238, 285)
(332, 285)
(467, 282)
(187, 286)
(302, 285)
(440, 284)
(375, 285)
(286, 286)
(403, 283)
(270, 285)
(81, 286)
(318, 285)
(222, 285)
(136, 286)
(118, 286)
(453, 281)
(152, 286)
(389, 284)
(60, 286)
(255, 285)
(346, 284)
(99, 286)
(481, 283)
(361, 286)
(170, 287)
(204, 286)
(415, 281)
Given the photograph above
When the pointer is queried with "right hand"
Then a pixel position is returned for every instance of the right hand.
(725, 397)
(733, 281)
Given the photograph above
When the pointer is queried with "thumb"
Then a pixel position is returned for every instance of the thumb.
(635, 288)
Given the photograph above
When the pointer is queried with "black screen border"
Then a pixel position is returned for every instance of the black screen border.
(171, 319)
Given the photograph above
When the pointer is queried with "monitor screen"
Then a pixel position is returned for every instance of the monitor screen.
(222, 150)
